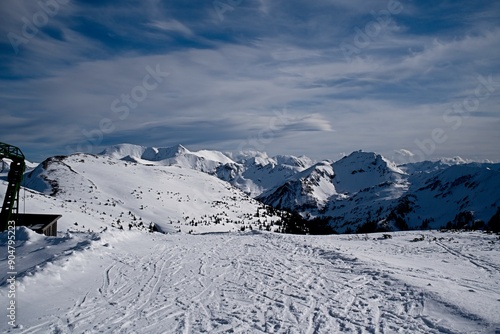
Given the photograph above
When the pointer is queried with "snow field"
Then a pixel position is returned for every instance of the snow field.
(136, 282)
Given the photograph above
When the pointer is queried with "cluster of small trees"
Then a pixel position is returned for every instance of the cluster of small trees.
(294, 223)
(465, 221)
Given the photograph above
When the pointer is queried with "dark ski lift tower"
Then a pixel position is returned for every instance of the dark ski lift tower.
(10, 207)
(46, 224)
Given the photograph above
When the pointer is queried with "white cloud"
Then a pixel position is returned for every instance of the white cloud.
(172, 25)
(404, 153)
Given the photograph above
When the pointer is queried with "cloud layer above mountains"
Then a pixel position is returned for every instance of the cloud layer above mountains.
(293, 77)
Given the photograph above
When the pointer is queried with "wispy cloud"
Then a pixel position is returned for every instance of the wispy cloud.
(172, 26)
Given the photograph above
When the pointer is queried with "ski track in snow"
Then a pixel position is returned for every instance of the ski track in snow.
(245, 283)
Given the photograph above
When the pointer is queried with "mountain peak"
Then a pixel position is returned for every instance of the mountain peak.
(121, 151)
(371, 159)
(454, 161)
(171, 152)
(135, 152)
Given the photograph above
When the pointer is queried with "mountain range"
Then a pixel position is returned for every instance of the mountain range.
(361, 188)
(178, 189)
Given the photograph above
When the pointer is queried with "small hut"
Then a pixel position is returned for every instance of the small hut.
(40, 223)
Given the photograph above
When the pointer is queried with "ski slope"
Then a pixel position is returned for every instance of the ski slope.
(255, 282)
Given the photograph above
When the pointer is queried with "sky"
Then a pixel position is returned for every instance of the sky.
(412, 80)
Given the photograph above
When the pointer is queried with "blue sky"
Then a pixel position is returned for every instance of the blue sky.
(411, 80)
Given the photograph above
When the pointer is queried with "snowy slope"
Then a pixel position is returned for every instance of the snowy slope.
(136, 282)
(118, 193)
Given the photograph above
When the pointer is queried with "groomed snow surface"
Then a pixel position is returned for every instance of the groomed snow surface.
(254, 282)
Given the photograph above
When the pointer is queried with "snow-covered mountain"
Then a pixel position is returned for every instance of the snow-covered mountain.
(460, 189)
(256, 172)
(362, 170)
(362, 191)
(203, 161)
(252, 172)
(362, 188)
(367, 189)
(305, 190)
(127, 195)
